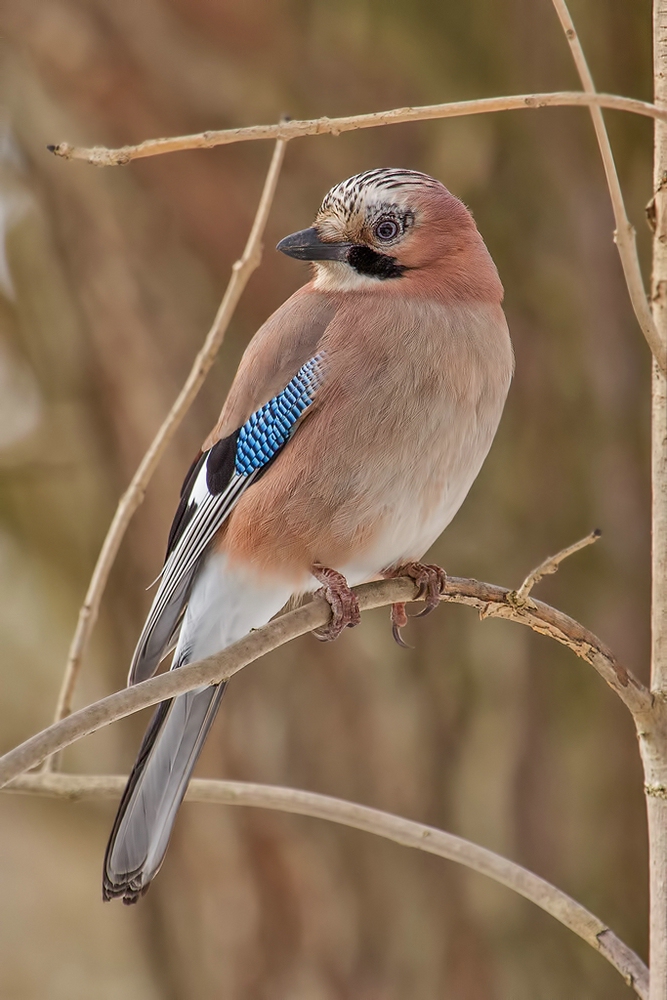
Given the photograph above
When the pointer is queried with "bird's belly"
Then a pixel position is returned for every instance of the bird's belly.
(407, 530)
(414, 507)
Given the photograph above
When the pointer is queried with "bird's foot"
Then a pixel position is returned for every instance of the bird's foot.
(343, 603)
(431, 582)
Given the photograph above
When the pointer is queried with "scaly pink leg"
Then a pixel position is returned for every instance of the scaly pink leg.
(343, 603)
(431, 582)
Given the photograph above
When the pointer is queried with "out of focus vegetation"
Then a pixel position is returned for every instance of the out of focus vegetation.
(108, 281)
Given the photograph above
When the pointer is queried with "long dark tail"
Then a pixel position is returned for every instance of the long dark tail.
(155, 790)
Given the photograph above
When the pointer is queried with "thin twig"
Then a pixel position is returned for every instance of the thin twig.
(551, 564)
(382, 824)
(624, 236)
(490, 600)
(134, 494)
(100, 156)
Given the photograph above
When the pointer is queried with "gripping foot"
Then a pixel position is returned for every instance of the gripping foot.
(431, 582)
(343, 603)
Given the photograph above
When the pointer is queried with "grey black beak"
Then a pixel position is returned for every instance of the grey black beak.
(307, 245)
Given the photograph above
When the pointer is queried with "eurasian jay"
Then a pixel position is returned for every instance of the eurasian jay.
(359, 417)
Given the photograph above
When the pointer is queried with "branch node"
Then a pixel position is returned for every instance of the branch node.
(656, 791)
(517, 600)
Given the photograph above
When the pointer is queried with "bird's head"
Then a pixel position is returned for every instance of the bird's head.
(395, 229)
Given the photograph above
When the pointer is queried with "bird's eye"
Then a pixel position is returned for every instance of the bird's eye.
(386, 229)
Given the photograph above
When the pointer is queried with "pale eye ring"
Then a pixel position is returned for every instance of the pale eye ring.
(386, 229)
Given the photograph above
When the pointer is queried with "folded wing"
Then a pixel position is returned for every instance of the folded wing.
(214, 485)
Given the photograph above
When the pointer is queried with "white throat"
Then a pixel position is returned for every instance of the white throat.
(337, 276)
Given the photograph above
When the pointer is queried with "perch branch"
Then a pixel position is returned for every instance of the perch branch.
(490, 600)
(551, 564)
(624, 235)
(382, 824)
(100, 156)
(134, 494)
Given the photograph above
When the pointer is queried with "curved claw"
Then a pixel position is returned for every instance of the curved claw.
(399, 620)
(425, 611)
(432, 580)
(398, 638)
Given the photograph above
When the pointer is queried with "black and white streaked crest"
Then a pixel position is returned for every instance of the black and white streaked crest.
(384, 184)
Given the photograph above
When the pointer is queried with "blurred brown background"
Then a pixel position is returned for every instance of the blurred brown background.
(108, 281)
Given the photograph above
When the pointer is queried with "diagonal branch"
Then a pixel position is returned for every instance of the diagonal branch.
(395, 828)
(490, 600)
(134, 494)
(624, 236)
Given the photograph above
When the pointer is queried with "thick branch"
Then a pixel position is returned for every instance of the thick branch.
(395, 828)
(624, 237)
(102, 157)
(487, 598)
(134, 494)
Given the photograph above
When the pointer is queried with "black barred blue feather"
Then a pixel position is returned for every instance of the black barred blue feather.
(214, 484)
(266, 431)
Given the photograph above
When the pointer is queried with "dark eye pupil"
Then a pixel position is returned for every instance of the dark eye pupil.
(387, 230)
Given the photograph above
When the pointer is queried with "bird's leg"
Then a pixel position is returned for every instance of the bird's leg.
(343, 603)
(431, 582)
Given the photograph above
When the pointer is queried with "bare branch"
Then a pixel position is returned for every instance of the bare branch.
(134, 494)
(382, 824)
(551, 564)
(624, 236)
(100, 156)
(490, 600)
(653, 743)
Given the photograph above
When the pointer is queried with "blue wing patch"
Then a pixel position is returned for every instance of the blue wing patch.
(266, 431)
(213, 486)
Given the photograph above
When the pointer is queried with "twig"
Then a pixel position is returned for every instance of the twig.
(624, 236)
(487, 598)
(100, 156)
(134, 494)
(382, 824)
(551, 564)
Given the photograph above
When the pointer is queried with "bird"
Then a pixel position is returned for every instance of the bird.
(360, 415)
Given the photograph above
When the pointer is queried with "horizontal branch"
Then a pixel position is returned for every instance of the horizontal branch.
(103, 157)
(490, 600)
(395, 828)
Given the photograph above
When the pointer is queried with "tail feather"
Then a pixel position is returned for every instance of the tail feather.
(155, 790)
(223, 605)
